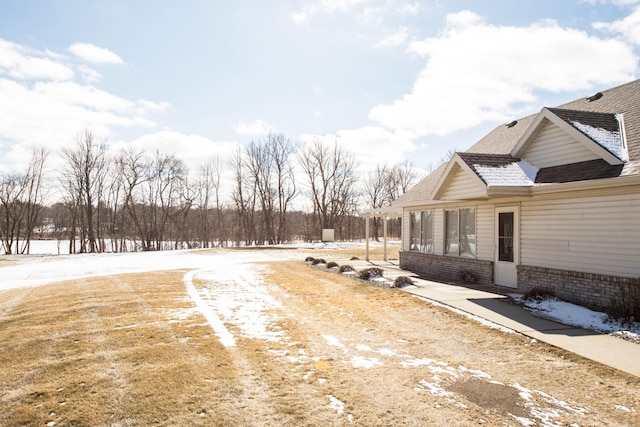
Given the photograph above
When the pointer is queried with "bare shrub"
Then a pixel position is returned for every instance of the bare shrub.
(354, 258)
(332, 264)
(626, 305)
(402, 281)
(346, 269)
(539, 293)
(370, 273)
(317, 261)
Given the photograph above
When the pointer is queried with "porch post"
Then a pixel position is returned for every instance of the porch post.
(366, 232)
(384, 233)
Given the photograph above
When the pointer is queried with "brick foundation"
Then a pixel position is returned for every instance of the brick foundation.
(447, 268)
(590, 290)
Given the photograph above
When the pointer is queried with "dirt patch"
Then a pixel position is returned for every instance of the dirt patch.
(495, 397)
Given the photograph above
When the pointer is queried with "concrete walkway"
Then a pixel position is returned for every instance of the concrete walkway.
(494, 307)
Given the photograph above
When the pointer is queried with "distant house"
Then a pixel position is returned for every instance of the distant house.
(551, 200)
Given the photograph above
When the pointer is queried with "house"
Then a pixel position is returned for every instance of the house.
(550, 200)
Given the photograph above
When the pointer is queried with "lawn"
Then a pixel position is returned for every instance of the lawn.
(239, 338)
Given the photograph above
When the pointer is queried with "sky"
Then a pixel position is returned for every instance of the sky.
(388, 80)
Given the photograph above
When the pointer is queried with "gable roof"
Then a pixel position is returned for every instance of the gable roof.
(500, 169)
(496, 152)
(493, 173)
(601, 133)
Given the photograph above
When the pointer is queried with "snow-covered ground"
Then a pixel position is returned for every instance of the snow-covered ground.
(575, 315)
(34, 270)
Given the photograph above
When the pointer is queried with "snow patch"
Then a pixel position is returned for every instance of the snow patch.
(336, 404)
(433, 388)
(333, 341)
(575, 315)
(226, 338)
(519, 173)
(612, 141)
(363, 362)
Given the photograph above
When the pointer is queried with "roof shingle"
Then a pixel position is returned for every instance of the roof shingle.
(599, 113)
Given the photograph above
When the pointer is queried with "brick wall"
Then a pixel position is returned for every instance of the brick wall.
(447, 268)
(586, 289)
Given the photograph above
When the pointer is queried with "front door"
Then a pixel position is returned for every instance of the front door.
(507, 244)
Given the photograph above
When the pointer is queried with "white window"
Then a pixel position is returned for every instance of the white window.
(422, 232)
(460, 232)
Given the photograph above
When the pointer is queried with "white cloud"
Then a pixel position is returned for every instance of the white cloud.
(628, 27)
(256, 127)
(410, 8)
(324, 7)
(395, 39)
(44, 104)
(50, 114)
(70, 93)
(94, 54)
(144, 106)
(370, 16)
(478, 72)
(194, 150)
(19, 62)
(366, 12)
(371, 145)
(615, 2)
(89, 75)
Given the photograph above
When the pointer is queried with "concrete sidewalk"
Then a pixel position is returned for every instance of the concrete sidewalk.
(605, 349)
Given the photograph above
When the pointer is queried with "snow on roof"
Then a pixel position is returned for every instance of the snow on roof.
(611, 140)
(519, 174)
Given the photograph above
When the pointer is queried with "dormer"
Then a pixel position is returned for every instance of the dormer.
(560, 137)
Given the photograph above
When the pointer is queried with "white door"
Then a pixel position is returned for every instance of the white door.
(507, 244)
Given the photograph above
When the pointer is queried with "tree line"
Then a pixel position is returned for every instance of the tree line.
(141, 201)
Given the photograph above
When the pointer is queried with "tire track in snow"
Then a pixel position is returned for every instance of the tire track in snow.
(237, 296)
(226, 338)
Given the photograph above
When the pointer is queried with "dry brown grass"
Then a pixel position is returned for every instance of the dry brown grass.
(377, 318)
(102, 352)
(375, 252)
(109, 351)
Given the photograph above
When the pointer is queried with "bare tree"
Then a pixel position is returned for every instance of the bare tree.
(21, 202)
(282, 150)
(84, 179)
(271, 176)
(376, 192)
(157, 197)
(258, 163)
(444, 159)
(243, 197)
(331, 176)
(399, 180)
(208, 205)
(168, 190)
(132, 168)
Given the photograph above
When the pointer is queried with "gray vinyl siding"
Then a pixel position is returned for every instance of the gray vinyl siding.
(485, 246)
(406, 230)
(438, 231)
(599, 234)
(461, 186)
(554, 147)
